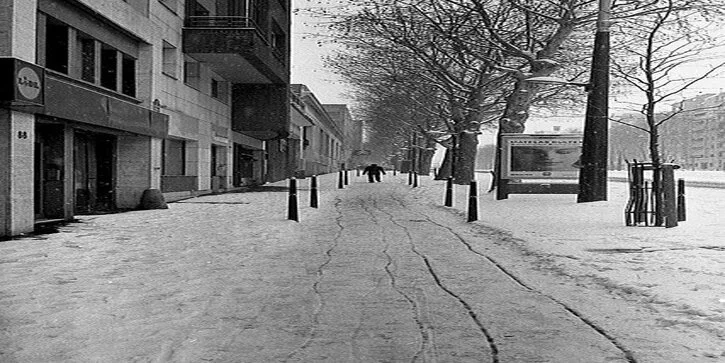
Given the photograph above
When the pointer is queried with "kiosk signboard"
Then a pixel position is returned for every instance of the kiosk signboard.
(541, 156)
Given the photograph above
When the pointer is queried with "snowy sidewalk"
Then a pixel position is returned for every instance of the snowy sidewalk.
(367, 277)
(380, 272)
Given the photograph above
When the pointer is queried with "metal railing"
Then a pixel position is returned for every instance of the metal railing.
(225, 22)
(220, 22)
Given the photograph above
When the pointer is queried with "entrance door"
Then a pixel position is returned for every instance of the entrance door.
(243, 165)
(94, 172)
(49, 171)
(214, 164)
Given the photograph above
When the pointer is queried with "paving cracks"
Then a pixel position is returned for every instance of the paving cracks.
(426, 346)
(439, 283)
(319, 275)
(626, 352)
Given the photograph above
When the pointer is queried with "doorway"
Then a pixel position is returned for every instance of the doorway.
(94, 172)
(49, 175)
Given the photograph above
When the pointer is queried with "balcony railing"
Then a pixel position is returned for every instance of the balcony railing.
(225, 22)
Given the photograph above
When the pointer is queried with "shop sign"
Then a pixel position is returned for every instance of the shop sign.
(22, 83)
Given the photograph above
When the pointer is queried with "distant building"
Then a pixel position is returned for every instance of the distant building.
(102, 100)
(352, 131)
(322, 138)
(694, 137)
(329, 133)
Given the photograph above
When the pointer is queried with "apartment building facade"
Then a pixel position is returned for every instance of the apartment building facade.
(100, 101)
(693, 137)
(323, 137)
(352, 133)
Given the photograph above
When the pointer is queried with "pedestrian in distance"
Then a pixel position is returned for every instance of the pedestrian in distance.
(373, 172)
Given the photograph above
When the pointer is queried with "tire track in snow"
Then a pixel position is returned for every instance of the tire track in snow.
(613, 340)
(319, 272)
(427, 335)
(467, 307)
(355, 350)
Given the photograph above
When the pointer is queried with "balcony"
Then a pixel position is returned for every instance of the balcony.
(236, 48)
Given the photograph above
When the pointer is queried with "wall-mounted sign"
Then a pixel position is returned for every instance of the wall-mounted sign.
(541, 156)
(21, 83)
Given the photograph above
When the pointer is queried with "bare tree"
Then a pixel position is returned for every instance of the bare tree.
(408, 40)
(479, 54)
(657, 49)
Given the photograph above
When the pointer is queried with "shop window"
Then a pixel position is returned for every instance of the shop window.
(169, 58)
(174, 157)
(109, 67)
(88, 59)
(56, 46)
(128, 76)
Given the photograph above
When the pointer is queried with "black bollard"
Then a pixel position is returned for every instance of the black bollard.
(357, 172)
(449, 192)
(292, 213)
(473, 202)
(681, 211)
(340, 181)
(347, 181)
(313, 192)
(394, 171)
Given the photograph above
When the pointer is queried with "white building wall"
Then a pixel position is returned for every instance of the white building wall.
(193, 112)
(23, 29)
(17, 132)
(22, 151)
(132, 176)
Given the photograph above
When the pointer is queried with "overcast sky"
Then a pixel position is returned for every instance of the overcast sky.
(307, 62)
(308, 52)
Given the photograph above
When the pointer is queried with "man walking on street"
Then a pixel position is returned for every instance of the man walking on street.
(373, 171)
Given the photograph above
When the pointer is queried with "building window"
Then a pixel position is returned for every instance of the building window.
(174, 157)
(109, 68)
(214, 88)
(192, 74)
(279, 39)
(169, 59)
(170, 4)
(128, 76)
(219, 90)
(88, 59)
(193, 8)
(56, 46)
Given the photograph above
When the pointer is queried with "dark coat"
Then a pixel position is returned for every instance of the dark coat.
(373, 169)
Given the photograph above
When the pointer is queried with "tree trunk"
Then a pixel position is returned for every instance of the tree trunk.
(513, 120)
(657, 174)
(517, 108)
(466, 158)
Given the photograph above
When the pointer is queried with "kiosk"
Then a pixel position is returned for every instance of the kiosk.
(538, 164)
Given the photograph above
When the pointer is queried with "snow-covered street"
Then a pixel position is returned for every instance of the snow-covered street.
(380, 272)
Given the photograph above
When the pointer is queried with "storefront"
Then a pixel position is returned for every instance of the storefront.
(72, 148)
